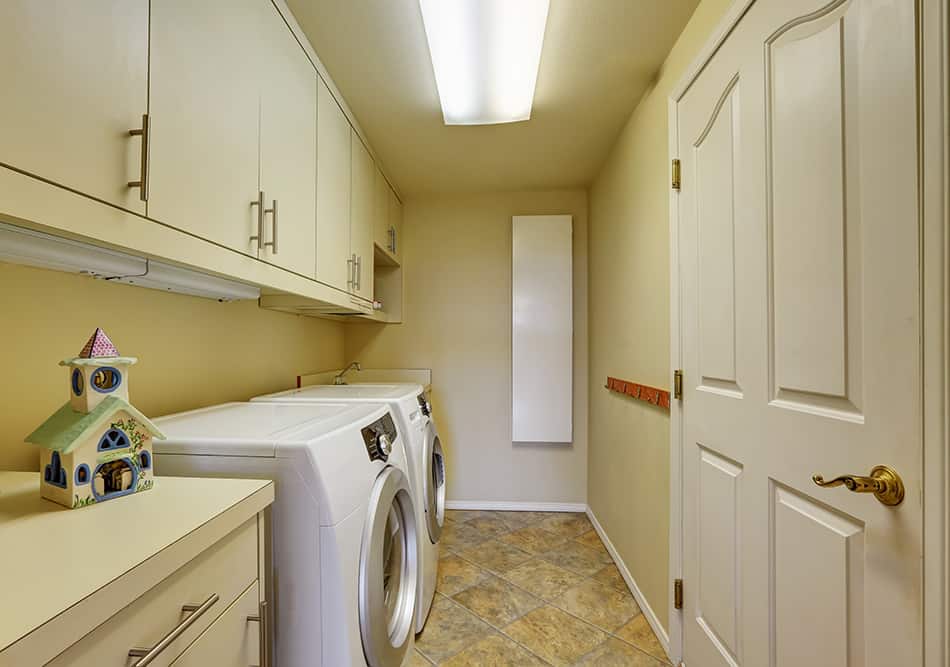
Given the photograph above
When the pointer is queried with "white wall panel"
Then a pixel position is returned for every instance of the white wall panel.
(542, 329)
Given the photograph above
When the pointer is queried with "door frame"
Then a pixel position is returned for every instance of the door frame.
(933, 52)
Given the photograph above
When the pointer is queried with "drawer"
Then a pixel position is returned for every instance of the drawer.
(232, 640)
(226, 569)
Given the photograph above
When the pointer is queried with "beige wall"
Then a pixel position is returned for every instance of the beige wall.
(192, 352)
(458, 323)
(628, 468)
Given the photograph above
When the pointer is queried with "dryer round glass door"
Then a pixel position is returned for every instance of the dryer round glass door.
(389, 574)
(433, 491)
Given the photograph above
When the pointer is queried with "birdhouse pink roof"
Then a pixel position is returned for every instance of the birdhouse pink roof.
(98, 345)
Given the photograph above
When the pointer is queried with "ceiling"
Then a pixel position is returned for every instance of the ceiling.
(599, 56)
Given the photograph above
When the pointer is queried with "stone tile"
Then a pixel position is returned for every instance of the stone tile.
(590, 539)
(462, 516)
(615, 653)
(496, 601)
(490, 526)
(611, 576)
(456, 574)
(577, 558)
(450, 629)
(600, 605)
(533, 539)
(416, 659)
(495, 651)
(542, 579)
(495, 556)
(516, 520)
(639, 633)
(567, 524)
(555, 636)
(459, 536)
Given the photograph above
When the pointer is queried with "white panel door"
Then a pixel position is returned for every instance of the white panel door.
(204, 105)
(799, 282)
(542, 328)
(288, 148)
(335, 262)
(75, 81)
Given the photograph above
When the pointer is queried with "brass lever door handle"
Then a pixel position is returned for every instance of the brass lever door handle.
(884, 483)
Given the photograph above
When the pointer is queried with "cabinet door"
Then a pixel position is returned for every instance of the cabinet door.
(75, 78)
(334, 259)
(233, 640)
(381, 212)
(288, 148)
(204, 103)
(361, 217)
(395, 225)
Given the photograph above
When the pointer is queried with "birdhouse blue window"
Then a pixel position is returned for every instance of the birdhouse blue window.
(77, 382)
(54, 473)
(113, 439)
(145, 460)
(82, 474)
(105, 380)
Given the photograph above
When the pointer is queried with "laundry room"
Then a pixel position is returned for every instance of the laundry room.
(486, 333)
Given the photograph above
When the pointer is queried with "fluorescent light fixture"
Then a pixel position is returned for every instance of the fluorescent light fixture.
(25, 246)
(485, 54)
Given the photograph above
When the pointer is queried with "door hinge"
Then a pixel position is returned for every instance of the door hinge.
(678, 384)
(676, 174)
(677, 594)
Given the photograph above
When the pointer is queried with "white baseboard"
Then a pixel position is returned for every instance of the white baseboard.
(645, 607)
(514, 506)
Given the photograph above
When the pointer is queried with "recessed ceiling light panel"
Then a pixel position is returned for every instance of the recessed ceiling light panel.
(485, 54)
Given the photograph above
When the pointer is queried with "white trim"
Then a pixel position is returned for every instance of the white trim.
(514, 506)
(645, 607)
(934, 54)
(675, 648)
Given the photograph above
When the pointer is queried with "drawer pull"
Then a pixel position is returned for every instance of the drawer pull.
(147, 655)
(263, 639)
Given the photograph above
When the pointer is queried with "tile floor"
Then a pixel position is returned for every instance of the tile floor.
(526, 589)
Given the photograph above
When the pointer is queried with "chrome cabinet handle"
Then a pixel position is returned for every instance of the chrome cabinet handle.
(359, 273)
(259, 237)
(147, 655)
(263, 638)
(392, 239)
(351, 271)
(273, 243)
(142, 183)
(884, 483)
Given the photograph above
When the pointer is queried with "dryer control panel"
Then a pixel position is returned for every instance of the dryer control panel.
(379, 438)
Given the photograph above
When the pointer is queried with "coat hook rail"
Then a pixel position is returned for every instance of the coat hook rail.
(652, 395)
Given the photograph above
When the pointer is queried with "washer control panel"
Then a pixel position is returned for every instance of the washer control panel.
(424, 405)
(379, 438)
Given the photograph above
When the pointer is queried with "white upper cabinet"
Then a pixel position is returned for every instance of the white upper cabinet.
(75, 81)
(361, 217)
(288, 149)
(335, 263)
(395, 227)
(204, 111)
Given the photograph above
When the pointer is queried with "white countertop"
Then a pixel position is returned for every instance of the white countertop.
(52, 557)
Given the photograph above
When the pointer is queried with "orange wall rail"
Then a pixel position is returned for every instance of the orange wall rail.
(652, 395)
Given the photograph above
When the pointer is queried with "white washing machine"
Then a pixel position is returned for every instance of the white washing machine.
(426, 462)
(344, 537)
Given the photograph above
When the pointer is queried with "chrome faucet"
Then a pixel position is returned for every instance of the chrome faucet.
(339, 378)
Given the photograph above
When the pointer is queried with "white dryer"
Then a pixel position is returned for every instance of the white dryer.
(426, 462)
(344, 546)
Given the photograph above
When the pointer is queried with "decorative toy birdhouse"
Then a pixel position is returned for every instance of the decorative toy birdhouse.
(97, 446)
